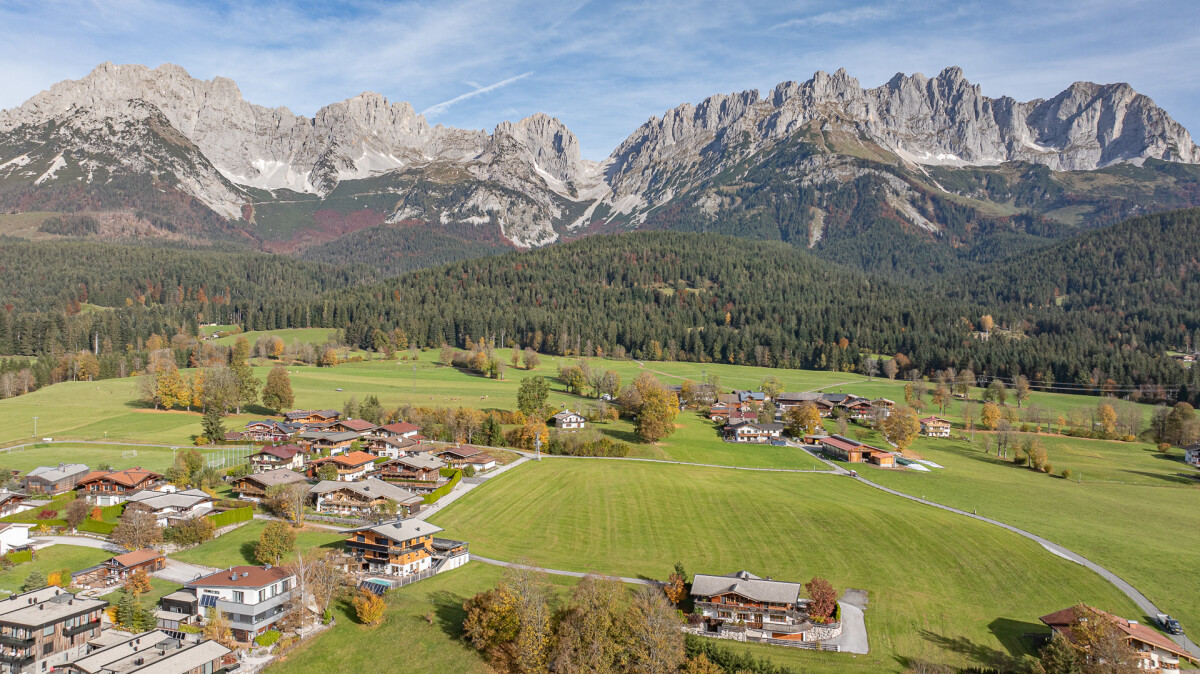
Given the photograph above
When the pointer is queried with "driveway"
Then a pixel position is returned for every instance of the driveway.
(854, 626)
(182, 572)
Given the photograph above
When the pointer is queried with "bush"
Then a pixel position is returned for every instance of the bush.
(267, 638)
(201, 441)
(1049, 468)
(19, 557)
(47, 514)
(1164, 447)
(188, 628)
(1066, 473)
(1129, 438)
(224, 519)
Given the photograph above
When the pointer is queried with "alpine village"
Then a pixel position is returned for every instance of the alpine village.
(835, 377)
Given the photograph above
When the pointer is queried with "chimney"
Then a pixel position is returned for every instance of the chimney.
(1132, 622)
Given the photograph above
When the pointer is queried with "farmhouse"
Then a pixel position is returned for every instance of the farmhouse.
(392, 446)
(853, 451)
(935, 427)
(118, 569)
(269, 430)
(413, 469)
(1155, 651)
(171, 508)
(326, 441)
(154, 652)
(859, 408)
(1191, 454)
(753, 431)
(568, 420)
(883, 407)
(43, 629)
(14, 536)
(252, 597)
(768, 609)
(352, 466)
(400, 429)
(54, 480)
(364, 498)
(312, 416)
(405, 547)
(110, 487)
(254, 487)
(468, 455)
(272, 457)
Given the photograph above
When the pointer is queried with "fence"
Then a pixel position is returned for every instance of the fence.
(455, 476)
(224, 519)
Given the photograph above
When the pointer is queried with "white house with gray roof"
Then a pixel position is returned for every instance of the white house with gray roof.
(171, 508)
(154, 652)
(758, 609)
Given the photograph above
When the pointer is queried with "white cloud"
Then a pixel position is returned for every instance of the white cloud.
(841, 17)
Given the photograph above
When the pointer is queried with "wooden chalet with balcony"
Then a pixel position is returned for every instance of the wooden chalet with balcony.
(753, 431)
(350, 467)
(110, 487)
(1155, 652)
(269, 430)
(467, 455)
(935, 427)
(118, 569)
(272, 457)
(403, 548)
(254, 487)
(760, 608)
(54, 480)
(568, 421)
(364, 498)
(420, 473)
(392, 446)
(361, 427)
(400, 429)
(332, 442)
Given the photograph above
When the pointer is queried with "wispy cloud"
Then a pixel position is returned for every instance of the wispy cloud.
(840, 17)
(438, 108)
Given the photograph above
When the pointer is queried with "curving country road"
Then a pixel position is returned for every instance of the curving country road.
(1054, 548)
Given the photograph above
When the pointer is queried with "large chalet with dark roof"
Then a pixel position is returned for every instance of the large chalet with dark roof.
(352, 466)
(272, 457)
(404, 548)
(254, 487)
(110, 487)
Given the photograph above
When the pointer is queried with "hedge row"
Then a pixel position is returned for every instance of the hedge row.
(95, 527)
(20, 557)
(454, 474)
(224, 519)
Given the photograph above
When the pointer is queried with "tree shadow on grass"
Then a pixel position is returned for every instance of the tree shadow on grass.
(621, 435)
(1177, 478)
(977, 653)
(247, 550)
(448, 612)
(1018, 636)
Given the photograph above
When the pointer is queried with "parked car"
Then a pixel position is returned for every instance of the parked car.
(1169, 624)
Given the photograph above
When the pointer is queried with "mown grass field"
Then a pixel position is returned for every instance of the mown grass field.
(151, 458)
(159, 588)
(937, 581)
(237, 546)
(1126, 507)
(49, 560)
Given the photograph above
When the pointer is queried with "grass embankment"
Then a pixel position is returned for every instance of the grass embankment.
(237, 546)
(940, 585)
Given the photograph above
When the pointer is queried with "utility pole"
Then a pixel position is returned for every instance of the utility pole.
(35, 427)
(537, 444)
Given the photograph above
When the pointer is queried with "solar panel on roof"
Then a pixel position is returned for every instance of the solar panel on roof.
(208, 601)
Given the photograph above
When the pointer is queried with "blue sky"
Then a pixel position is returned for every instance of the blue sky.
(602, 67)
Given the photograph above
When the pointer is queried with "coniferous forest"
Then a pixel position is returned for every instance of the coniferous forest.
(1105, 305)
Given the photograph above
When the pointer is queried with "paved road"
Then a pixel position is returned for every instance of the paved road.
(559, 572)
(853, 638)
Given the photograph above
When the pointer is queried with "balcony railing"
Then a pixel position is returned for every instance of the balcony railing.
(80, 629)
(20, 642)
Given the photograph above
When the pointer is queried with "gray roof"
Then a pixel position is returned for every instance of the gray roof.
(59, 472)
(402, 530)
(47, 605)
(369, 488)
(419, 461)
(567, 414)
(154, 652)
(747, 585)
(271, 478)
(181, 595)
(336, 436)
(157, 500)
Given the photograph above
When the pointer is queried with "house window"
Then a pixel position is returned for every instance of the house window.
(48, 630)
(239, 597)
(776, 618)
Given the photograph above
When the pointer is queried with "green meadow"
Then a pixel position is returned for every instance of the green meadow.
(937, 581)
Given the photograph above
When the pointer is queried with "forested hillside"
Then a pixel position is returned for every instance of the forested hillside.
(1106, 305)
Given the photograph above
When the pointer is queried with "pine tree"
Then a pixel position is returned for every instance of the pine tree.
(212, 424)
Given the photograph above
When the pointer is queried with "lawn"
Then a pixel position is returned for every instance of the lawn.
(427, 618)
(49, 560)
(938, 582)
(119, 456)
(1126, 507)
(237, 546)
(159, 588)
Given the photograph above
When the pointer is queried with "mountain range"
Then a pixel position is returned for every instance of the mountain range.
(927, 165)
